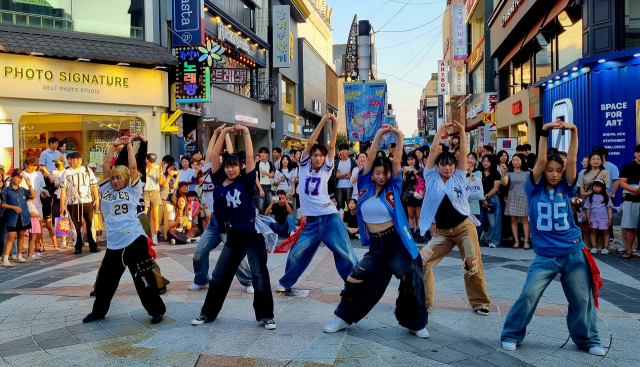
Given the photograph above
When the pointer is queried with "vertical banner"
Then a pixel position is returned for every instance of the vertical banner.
(187, 23)
(443, 77)
(459, 80)
(490, 134)
(192, 75)
(389, 138)
(440, 119)
(421, 116)
(354, 104)
(459, 33)
(490, 102)
(374, 107)
(364, 104)
(282, 38)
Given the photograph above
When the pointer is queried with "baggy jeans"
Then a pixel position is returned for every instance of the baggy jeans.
(329, 229)
(576, 284)
(240, 244)
(283, 229)
(209, 240)
(494, 229)
(466, 238)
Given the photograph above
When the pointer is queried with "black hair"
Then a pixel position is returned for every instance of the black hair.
(277, 150)
(383, 162)
(188, 158)
(323, 150)
(602, 150)
(343, 146)
(288, 164)
(637, 149)
(589, 165)
(499, 155)
(292, 152)
(455, 137)
(527, 146)
(446, 158)
(415, 158)
(473, 154)
(169, 159)
(521, 148)
(523, 160)
(554, 158)
(392, 145)
(491, 159)
(191, 193)
(234, 159)
(456, 149)
(381, 153)
(489, 148)
(196, 152)
(365, 154)
(564, 154)
(281, 192)
(605, 198)
(426, 149)
(263, 150)
(53, 139)
(553, 150)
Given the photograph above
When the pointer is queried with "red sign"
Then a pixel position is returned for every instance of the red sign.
(516, 107)
(511, 11)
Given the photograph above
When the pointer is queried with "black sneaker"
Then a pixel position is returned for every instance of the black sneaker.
(92, 294)
(200, 320)
(156, 319)
(94, 250)
(162, 290)
(78, 252)
(269, 325)
(91, 317)
(482, 311)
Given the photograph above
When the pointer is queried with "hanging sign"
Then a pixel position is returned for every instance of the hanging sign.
(282, 38)
(389, 138)
(229, 76)
(459, 33)
(471, 7)
(488, 118)
(192, 76)
(187, 24)
(364, 105)
(459, 80)
(443, 77)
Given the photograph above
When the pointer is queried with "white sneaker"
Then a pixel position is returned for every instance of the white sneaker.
(63, 246)
(200, 321)
(594, 250)
(605, 251)
(6, 263)
(195, 287)
(281, 288)
(250, 289)
(421, 333)
(511, 346)
(57, 249)
(336, 324)
(155, 239)
(597, 351)
(173, 242)
(14, 257)
(269, 325)
(358, 235)
(482, 311)
(21, 259)
(492, 245)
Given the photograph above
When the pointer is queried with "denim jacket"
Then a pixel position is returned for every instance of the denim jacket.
(11, 196)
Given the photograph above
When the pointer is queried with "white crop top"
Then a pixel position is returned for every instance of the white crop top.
(374, 212)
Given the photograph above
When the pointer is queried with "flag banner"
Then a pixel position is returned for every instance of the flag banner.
(389, 138)
(365, 107)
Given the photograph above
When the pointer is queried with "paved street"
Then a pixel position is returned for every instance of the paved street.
(43, 303)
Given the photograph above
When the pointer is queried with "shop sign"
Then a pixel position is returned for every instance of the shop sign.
(470, 7)
(475, 110)
(490, 101)
(459, 33)
(389, 138)
(227, 35)
(282, 38)
(364, 106)
(6, 144)
(192, 76)
(317, 107)
(508, 144)
(459, 80)
(440, 107)
(515, 5)
(475, 56)
(421, 115)
(443, 77)
(431, 118)
(187, 24)
(516, 107)
(167, 125)
(307, 130)
(487, 134)
(229, 76)
(489, 118)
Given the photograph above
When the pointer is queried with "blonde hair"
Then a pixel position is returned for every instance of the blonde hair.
(121, 171)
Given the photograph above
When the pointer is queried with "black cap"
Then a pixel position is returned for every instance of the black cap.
(75, 155)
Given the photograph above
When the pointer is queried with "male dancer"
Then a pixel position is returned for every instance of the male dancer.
(323, 221)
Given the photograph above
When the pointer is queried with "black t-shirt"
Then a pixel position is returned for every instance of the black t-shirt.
(447, 216)
(488, 182)
(350, 219)
(234, 203)
(631, 171)
(280, 213)
(531, 160)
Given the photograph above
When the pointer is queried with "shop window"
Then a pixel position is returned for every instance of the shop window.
(631, 23)
(90, 135)
(288, 100)
(542, 58)
(569, 40)
(526, 74)
(477, 80)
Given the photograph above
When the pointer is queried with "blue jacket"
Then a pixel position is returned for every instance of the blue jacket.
(391, 194)
(11, 196)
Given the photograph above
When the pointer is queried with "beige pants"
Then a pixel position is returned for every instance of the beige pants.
(466, 238)
(164, 212)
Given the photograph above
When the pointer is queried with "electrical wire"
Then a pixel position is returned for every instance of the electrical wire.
(394, 15)
(402, 80)
(430, 3)
(418, 27)
(418, 63)
(417, 54)
(413, 39)
(369, 17)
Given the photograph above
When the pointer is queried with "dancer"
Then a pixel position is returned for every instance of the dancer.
(559, 249)
(446, 203)
(323, 221)
(392, 251)
(121, 192)
(234, 211)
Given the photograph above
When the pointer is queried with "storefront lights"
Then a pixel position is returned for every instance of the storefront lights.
(602, 60)
(565, 73)
(36, 54)
(82, 59)
(636, 55)
(557, 78)
(575, 68)
(206, 9)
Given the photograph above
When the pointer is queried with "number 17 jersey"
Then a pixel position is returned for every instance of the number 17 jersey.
(553, 230)
(119, 212)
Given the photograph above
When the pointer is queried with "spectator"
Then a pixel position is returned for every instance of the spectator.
(186, 172)
(490, 208)
(151, 194)
(585, 164)
(411, 196)
(517, 205)
(181, 228)
(197, 155)
(62, 148)
(419, 155)
(502, 158)
(362, 158)
(285, 178)
(340, 210)
(204, 213)
(594, 170)
(392, 148)
(277, 154)
(79, 193)
(35, 232)
(168, 182)
(630, 183)
(442, 148)
(351, 220)
(531, 157)
(37, 180)
(614, 181)
(481, 151)
(292, 154)
(266, 171)
(380, 153)
(14, 202)
(456, 152)
(599, 215)
(195, 206)
(520, 149)
(344, 168)
(46, 198)
(47, 157)
(282, 212)
(472, 158)
(488, 149)
(455, 142)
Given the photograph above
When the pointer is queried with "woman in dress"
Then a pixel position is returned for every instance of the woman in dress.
(121, 192)
(411, 174)
(559, 249)
(594, 170)
(392, 251)
(517, 204)
(490, 208)
(285, 178)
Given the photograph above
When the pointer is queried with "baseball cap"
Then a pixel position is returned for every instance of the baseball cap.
(16, 172)
(75, 155)
(152, 157)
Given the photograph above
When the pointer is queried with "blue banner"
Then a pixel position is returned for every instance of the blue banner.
(365, 106)
(187, 23)
(389, 138)
(374, 107)
(354, 104)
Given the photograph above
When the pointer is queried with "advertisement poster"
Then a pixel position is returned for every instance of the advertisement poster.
(97, 157)
(6, 147)
(389, 138)
(281, 37)
(459, 80)
(364, 104)
(507, 144)
(190, 134)
(459, 33)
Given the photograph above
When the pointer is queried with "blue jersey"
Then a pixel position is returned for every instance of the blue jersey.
(553, 229)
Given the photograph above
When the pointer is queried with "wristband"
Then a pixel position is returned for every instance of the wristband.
(544, 133)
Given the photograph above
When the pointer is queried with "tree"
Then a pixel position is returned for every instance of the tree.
(342, 139)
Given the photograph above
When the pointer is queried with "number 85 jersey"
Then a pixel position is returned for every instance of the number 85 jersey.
(119, 212)
(553, 230)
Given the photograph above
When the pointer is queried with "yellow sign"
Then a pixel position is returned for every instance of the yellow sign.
(291, 45)
(488, 118)
(295, 125)
(167, 125)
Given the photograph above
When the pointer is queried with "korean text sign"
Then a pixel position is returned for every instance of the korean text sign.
(187, 23)
(443, 77)
(459, 80)
(459, 33)
(192, 76)
(281, 36)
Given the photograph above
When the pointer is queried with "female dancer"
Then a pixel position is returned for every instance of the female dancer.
(490, 208)
(234, 211)
(411, 174)
(447, 204)
(559, 249)
(391, 251)
(517, 204)
(121, 192)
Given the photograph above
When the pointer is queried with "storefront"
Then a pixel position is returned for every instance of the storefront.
(512, 117)
(84, 104)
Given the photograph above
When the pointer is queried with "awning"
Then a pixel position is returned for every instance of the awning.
(512, 53)
(73, 45)
(534, 30)
(557, 8)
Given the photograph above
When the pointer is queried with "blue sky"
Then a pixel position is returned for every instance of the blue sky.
(413, 61)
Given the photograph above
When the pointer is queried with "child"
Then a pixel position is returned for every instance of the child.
(36, 229)
(599, 215)
(194, 205)
(16, 213)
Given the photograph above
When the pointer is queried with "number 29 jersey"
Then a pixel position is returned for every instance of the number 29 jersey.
(553, 229)
(119, 212)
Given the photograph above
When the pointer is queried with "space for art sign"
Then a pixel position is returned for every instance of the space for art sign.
(364, 106)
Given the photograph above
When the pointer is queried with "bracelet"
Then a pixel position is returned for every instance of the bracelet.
(544, 133)
(245, 133)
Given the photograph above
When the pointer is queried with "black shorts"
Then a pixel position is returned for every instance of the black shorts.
(46, 207)
(19, 227)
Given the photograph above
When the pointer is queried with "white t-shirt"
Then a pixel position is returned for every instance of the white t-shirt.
(313, 190)
(207, 186)
(37, 181)
(172, 215)
(187, 176)
(344, 167)
(78, 183)
(354, 173)
(263, 166)
(32, 207)
(284, 176)
(152, 183)
(119, 212)
(57, 175)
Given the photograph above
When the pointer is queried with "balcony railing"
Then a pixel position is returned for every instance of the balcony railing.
(265, 90)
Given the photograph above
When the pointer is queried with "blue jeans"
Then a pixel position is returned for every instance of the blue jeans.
(495, 220)
(576, 283)
(209, 240)
(263, 202)
(283, 229)
(326, 228)
(3, 238)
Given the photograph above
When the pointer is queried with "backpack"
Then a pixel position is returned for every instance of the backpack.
(333, 181)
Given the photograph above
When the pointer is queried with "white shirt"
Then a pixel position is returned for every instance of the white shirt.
(344, 167)
(78, 184)
(313, 189)
(207, 186)
(32, 207)
(187, 176)
(436, 190)
(152, 179)
(263, 166)
(354, 173)
(119, 212)
(37, 181)
(284, 176)
(47, 158)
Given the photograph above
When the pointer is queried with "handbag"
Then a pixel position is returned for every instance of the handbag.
(474, 189)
